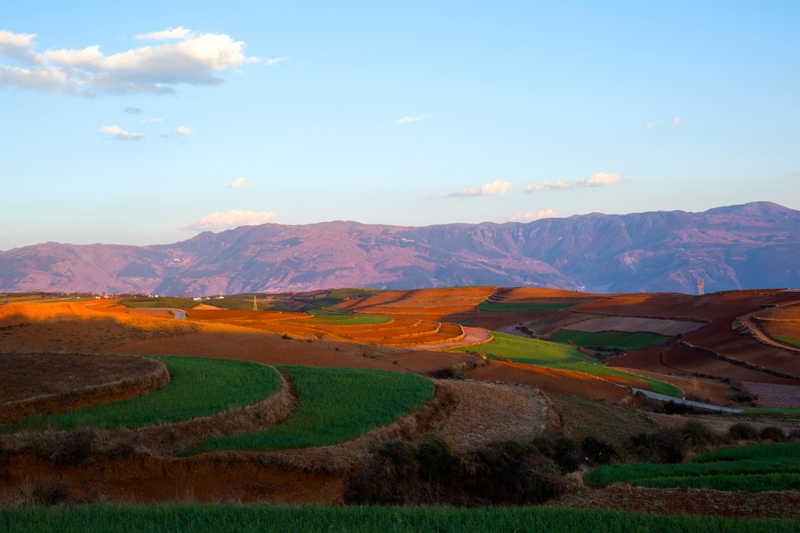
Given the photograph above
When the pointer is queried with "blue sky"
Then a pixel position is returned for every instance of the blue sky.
(513, 111)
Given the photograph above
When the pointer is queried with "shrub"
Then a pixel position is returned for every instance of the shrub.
(775, 434)
(674, 408)
(743, 431)
(698, 433)
(437, 460)
(567, 453)
(600, 451)
(794, 435)
(667, 445)
(402, 456)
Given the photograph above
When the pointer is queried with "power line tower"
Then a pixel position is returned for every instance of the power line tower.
(701, 287)
(255, 305)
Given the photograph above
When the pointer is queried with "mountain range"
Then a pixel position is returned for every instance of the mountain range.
(756, 245)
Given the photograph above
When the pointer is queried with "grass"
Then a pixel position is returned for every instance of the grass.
(167, 301)
(200, 387)
(655, 385)
(581, 417)
(345, 320)
(339, 519)
(500, 307)
(527, 351)
(757, 468)
(610, 339)
(335, 405)
(788, 416)
(794, 341)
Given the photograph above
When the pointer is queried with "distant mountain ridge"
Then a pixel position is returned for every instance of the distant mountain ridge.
(755, 245)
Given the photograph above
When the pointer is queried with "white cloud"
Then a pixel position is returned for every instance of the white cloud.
(651, 125)
(676, 121)
(412, 119)
(183, 130)
(18, 46)
(156, 120)
(530, 217)
(194, 59)
(134, 110)
(238, 182)
(497, 186)
(268, 62)
(229, 220)
(120, 134)
(601, 179)
(167, 35)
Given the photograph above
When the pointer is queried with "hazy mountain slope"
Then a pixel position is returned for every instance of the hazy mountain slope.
(750, 246)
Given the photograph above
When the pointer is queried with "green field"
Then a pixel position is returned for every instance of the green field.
(345, 320)
(527, 351)
(794, 341)
(520, 308)
(656, 386)
(200, 387)
(610, 339)
(756, 468)
(335, 405)
(339, 519)
(556, 355)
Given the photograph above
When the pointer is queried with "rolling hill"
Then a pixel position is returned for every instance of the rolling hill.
(756, 245)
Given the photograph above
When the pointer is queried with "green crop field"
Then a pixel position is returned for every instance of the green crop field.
(167, 301)
(757, 468)
(556, 355)
(610, 339)
(531, 307)
(794, 341)
(345, 320)
(655, 385)
(200, 387)
(527, 351)
(339, 519)
(335, 405)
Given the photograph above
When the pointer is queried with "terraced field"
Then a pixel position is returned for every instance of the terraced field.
(756, 468)
(224, 384)
(558, 356)
(335, 405)
(665, 327)
(609, 339)
(528, 351)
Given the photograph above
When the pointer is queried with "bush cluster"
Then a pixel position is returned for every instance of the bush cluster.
(401, 472)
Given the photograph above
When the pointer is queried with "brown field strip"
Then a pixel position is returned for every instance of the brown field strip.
(555, 382)
(659, 326)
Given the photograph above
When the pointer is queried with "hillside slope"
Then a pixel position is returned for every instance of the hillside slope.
(755, 245)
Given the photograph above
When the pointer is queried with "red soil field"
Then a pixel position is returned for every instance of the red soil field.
(556, 382)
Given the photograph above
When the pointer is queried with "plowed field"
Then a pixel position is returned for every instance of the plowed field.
(668, 328)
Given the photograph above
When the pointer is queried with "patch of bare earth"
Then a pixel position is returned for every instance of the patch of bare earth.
(775, 396)
(492, 411)
(784, 505)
